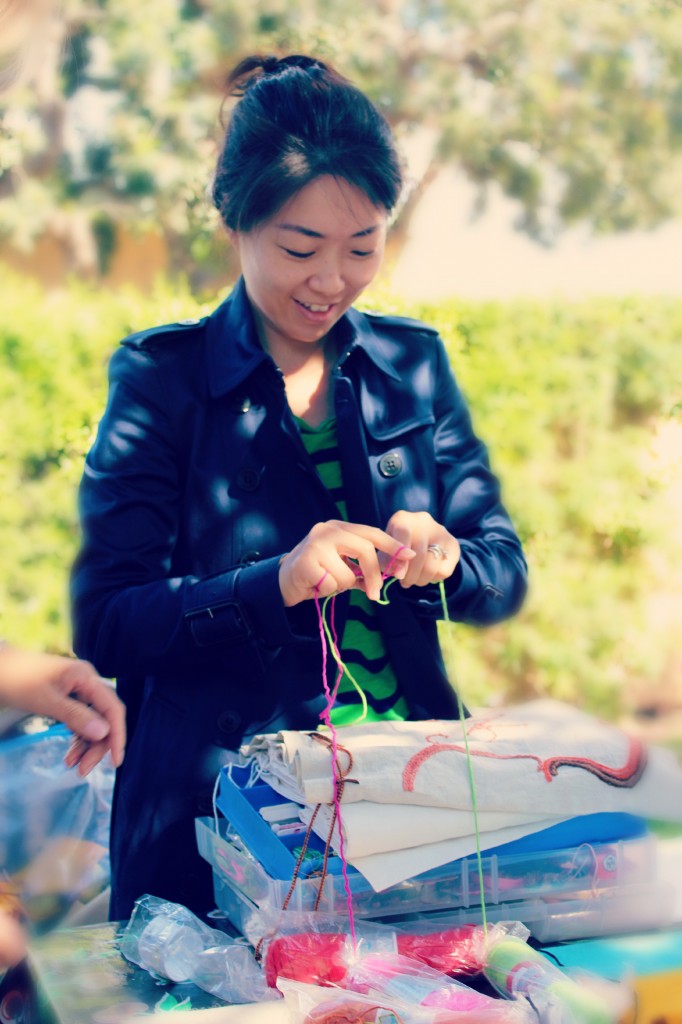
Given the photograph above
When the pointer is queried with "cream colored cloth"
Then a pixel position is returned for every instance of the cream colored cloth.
(541, 758)
(371, 827)
(383, 868)
(406, 802)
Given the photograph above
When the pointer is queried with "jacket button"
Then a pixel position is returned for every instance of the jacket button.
(248, 479)
(249, 557)
(242, 403)
(229, 721)
(390, 465)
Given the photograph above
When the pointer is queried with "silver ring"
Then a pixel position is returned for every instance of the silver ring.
(437, 551)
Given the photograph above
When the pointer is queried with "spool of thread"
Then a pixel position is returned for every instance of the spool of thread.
(517, 970)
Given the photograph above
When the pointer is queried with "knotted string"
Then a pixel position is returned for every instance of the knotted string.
(328, 637)
(325, 715)
(329, 640)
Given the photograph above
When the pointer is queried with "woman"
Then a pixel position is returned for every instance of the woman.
(284, 447)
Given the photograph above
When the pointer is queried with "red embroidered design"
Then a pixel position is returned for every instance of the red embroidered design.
(625, 777)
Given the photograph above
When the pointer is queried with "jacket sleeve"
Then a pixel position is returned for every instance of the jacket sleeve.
(490, 581)
(131, 612)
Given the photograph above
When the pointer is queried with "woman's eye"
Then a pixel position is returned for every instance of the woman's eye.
(362, 252)
(299, 255)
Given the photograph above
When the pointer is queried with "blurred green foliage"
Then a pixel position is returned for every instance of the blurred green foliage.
(570, 397)
(573, 109)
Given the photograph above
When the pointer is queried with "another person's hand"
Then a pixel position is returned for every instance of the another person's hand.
(436, 551)
(337, 556)
(13, 934)
(72, 692)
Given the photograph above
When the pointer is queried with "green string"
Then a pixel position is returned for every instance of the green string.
(470, 769)
(383, 599)
(460, 711)
(337, 654)
(342, 665)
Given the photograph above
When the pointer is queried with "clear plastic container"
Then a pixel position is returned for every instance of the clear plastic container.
(576, 871)
(618, 911)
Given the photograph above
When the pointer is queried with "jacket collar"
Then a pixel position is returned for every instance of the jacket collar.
(234, 351)
(365, 336)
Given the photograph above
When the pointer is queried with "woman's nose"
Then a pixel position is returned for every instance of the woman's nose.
(327, 279)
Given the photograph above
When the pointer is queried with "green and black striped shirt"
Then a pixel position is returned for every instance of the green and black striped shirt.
(362, 646)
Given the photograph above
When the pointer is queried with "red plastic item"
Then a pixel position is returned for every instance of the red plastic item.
(318, 957)
(453, 951)
(313, 957)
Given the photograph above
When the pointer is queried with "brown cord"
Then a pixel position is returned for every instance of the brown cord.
(340, 785)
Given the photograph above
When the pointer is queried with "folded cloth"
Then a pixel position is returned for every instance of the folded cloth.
(385, 868)
(370, 828)
(540, 758)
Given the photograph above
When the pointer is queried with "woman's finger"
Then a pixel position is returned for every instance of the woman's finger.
(347, 552)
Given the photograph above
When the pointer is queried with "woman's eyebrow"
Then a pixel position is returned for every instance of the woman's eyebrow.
(309, 233)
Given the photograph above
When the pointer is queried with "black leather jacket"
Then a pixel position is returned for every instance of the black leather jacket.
(196, 485)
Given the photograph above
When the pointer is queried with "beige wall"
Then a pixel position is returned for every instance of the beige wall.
(137, 260)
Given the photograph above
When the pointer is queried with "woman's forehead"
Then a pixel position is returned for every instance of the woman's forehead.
(329, 206)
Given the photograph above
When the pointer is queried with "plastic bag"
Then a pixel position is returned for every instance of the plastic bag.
(54, 825)
(399, 977)
(519, 972)
(310, 1004)
(450, 950)
(316, 948)
(168, 941)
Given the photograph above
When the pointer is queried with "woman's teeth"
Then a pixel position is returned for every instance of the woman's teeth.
(316, 309)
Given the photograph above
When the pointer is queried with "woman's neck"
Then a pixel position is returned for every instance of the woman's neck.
(308, 388)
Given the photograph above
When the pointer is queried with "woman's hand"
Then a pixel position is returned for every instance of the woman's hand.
(72, 692)
(337, 556)
(436, 550)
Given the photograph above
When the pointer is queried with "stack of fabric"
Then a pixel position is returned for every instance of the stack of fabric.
(415, 793)
(405, 806)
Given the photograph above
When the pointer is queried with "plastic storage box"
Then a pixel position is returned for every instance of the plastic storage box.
(613, 911)
(585, 869)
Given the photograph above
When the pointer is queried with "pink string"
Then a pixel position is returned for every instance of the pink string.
(325, 716)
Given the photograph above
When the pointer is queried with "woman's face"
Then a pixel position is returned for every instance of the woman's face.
(308, 263)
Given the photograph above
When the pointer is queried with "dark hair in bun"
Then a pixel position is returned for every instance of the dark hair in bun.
(296, 120)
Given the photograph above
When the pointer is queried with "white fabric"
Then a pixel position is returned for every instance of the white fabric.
(378, 828)
(385, 868)
(543, 757)
(406, 803)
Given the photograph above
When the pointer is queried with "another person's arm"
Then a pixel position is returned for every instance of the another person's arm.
(13, 934)
(71, 692)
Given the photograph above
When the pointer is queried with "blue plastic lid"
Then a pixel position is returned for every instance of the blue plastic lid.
(605, 827)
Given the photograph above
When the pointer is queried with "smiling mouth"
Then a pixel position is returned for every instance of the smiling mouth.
(314, 307)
